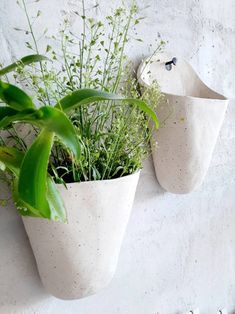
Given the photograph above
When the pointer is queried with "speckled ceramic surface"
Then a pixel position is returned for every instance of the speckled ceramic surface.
(80, 258)
(192, 114)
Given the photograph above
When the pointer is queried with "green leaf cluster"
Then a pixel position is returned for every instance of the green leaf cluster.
(114, 138)
(35, 192)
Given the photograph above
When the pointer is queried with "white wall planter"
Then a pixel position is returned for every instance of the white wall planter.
(192, 115)
(80, 258)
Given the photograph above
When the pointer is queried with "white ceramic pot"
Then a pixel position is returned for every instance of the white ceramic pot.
(80, 258)
(192, 114)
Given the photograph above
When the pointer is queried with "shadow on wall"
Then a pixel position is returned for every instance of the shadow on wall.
(152, 189)
(20, 285)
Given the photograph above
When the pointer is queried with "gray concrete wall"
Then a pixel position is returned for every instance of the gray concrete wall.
(179, 251)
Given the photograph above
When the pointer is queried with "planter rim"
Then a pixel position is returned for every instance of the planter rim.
(100, 181)
(140, 71)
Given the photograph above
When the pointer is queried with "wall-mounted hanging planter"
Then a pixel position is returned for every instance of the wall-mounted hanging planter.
(80, 258)
(191, 116)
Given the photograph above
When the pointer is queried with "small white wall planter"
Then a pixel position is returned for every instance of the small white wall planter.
(79, 258)
(193, 115)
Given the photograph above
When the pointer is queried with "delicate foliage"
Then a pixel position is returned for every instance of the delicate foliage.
(114, 137)
(89, 118)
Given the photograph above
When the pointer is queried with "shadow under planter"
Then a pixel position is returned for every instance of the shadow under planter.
(79, 258)
(191, 115)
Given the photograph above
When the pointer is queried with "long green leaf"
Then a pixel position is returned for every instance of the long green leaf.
(56, 204)
(24, 61)
(12, 159)
(53, 120)
(53, 200)
(56, 121)
(32, 185)
(15, 97)
(84, 96)
(23, 208)
(87, 96)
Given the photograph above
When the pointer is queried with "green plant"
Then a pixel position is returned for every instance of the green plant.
(82, 133)
(35, 192)
(114, 138)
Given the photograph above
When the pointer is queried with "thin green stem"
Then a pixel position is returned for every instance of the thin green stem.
(83, 42)
(36, 48)
(118, 77)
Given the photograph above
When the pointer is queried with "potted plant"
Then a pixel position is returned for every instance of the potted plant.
(96, 174)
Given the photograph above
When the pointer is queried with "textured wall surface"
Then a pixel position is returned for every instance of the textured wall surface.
(179, 251)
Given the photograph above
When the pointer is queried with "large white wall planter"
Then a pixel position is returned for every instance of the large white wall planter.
(191, 115)
(79, 258)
